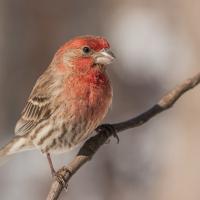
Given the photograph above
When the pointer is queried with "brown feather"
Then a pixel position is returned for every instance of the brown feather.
(38, 106)
(33, 113)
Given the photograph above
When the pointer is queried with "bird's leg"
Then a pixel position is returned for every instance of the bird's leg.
(57, 174)
(109, 129)
(53, 172)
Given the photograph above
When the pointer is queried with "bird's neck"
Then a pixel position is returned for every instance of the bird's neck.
(92, 85)
(96, 77)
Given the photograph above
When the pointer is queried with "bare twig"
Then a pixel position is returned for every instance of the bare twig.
(92, 145)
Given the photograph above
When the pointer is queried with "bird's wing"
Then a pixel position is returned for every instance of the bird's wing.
(37, 108)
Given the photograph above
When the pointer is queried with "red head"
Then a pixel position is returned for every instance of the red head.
(84, 53)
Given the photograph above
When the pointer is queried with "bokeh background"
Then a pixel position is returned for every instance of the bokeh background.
(157, 44)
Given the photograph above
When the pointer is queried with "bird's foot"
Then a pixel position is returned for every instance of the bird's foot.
(60, 176)
(109, 129)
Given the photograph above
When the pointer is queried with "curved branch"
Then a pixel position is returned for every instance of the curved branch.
(90, 147)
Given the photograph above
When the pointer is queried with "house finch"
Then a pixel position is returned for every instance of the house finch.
(68, 101)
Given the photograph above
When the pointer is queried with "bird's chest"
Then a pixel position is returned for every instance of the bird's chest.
(87, 97)
(88, 102)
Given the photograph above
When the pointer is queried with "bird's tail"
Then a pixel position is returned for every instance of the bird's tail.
(17, 144)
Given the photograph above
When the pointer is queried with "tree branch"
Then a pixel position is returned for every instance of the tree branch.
(90, 147)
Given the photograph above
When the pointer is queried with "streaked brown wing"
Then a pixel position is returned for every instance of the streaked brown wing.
(36, 110)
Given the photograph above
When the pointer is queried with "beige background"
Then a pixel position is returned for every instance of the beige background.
(157, 44)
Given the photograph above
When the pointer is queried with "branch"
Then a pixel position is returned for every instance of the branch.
(90, 147)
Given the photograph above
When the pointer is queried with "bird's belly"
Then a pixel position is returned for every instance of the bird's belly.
(60, 136)
(67, 139)
(73, 136)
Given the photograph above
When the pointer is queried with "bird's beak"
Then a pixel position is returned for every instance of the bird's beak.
(104, 57)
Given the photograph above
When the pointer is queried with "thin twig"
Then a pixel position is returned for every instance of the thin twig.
(90, 147)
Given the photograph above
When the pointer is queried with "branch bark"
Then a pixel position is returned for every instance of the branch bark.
(90, 147)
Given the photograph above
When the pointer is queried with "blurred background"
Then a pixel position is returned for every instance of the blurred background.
(157, 44)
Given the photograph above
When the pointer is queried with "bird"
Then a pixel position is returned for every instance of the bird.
(68, 101)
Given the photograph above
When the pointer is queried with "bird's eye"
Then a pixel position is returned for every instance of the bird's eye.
(86, 50)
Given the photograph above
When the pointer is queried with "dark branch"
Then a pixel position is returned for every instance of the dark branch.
(92, 145)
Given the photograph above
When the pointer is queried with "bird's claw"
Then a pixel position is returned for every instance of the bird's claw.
(59, 175)
(108, 128)
(60, 179)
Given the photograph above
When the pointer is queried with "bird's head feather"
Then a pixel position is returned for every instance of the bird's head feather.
(83, 54)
